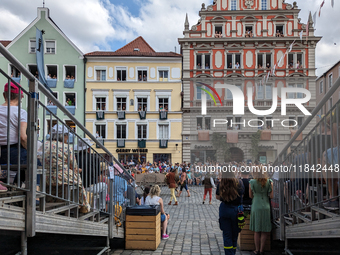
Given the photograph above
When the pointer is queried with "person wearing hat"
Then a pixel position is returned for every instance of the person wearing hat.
(15, 97)
(61, 156)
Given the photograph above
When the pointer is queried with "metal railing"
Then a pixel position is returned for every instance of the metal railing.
(71, 172)
(308, 175)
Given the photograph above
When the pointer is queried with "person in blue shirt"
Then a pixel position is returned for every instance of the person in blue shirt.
(119, 187)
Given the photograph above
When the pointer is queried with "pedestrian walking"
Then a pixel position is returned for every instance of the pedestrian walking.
(230, 192)
(183, 183)
(171, 180)
(208, 185)
(261, 189)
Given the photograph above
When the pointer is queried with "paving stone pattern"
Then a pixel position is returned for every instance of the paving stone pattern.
(193, 227)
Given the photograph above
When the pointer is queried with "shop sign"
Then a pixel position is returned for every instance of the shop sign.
(132, 150)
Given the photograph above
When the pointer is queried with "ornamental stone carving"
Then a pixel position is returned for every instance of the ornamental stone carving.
(210, 8)
(248, 3)
(194, 28)
(289, 6)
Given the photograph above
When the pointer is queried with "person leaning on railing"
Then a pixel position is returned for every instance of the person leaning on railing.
(15, 98)
(63, 157)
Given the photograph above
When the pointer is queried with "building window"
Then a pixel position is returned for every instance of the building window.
(263, 4)
(207, 122)
(100, 103)
(218, 31)
(101, 131)
(292, 122)
(121, 74)
(249, 31)
(238, 124)
(203, 61)
(52, 71)
(291, 95)
(142, 131)
(300, 122)
(264, 60)
(50, 47)
(163, 131)
(269, 122)
(198, 92)
(33, 46)
(121, 103)
(163, 104)
(234, 60)
(70, 99)
(142, 75)
(279, 32)
(199, 123)
(233, 5)
(33, 70)
(70, 72)
(299, 95)
(14, 72)
(101, 75)
(163, 75)
(121, 131)
(330, 80)
(259, 92)
(321, 87)
(295, 60)
(268, 91)
(142, 104)
(330, 104)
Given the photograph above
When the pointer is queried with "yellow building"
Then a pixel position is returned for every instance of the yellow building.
(133, 102)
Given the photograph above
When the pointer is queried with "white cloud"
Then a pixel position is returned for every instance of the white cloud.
(86, 23)
(96, 24)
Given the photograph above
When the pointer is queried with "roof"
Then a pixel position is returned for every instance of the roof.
(138, 47)
(5, 42)
(325, 73)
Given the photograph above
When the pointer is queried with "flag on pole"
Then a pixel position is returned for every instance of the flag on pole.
(274, 68)
(301, 33)
(323, 2)
(332, 2)
(314, 19)
(291, 46)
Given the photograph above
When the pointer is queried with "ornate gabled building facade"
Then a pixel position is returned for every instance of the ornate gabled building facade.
(255, 45)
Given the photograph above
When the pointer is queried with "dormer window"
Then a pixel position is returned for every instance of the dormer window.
(136, 49)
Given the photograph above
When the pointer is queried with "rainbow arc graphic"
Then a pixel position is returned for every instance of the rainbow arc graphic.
(209, 93)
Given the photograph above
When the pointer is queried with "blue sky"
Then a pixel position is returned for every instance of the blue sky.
(110, 24)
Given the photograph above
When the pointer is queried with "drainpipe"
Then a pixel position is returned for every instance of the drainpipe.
(84, 60)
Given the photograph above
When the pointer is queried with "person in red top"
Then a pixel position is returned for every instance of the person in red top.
(171, 180)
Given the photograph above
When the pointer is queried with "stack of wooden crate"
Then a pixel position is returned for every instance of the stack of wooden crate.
(245, 240)
(142, 232)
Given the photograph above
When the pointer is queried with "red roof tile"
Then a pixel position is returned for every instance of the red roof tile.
(144, 50)
(5, 42)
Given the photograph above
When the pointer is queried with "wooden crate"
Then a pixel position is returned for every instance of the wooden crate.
(142, 232)
(245, 239)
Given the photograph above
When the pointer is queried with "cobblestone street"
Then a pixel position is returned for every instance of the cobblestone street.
(193, 227)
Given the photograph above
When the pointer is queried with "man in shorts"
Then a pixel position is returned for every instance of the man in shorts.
(183, 182)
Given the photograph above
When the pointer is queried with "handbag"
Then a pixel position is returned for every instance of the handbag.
(240, 218)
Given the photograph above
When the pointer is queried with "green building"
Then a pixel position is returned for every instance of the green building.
(62, 60)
